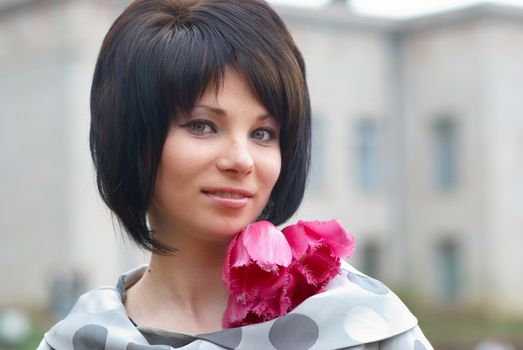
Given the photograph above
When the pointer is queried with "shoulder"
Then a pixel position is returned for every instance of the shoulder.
(372, 312)
(97, 314)
(358, 309)
(365, 296)
(354, 310)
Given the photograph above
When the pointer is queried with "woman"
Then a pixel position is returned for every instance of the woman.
(200, 135)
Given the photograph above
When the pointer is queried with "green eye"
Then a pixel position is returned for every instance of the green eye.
(263, 134)
(200, 127)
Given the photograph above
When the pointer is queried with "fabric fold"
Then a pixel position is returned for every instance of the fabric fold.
(336, 318)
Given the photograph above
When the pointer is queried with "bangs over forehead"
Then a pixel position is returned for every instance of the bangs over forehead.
(188, 46)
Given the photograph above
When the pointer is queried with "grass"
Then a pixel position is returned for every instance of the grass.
(39, 325)
(463, 330)
(455, 327)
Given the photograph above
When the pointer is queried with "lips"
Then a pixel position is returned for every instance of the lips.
(229, 192)
(229, 197)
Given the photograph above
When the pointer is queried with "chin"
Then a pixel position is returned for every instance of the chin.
(227, 228)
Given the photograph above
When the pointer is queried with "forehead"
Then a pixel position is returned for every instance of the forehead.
(232, 94)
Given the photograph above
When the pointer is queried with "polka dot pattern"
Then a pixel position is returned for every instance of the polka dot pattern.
(120, 286)
(90, 337)
(363, 323)
(294, 332)
(345, 315)
(104, 304)
(367, 283)
(230, 338)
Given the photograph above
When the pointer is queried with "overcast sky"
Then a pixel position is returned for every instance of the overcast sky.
(398, 8)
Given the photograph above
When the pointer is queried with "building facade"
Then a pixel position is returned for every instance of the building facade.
(417, 148)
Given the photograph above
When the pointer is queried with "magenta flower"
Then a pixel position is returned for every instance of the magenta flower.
(308, 234)
(255, 273)
(268, 272)
(317, 247)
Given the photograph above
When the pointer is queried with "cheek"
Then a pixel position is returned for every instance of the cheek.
(271, 168)
(180, 164)
(182, 159)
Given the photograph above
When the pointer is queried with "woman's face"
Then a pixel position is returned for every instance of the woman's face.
(218, 165)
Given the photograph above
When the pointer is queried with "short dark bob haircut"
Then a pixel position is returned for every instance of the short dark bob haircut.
(157, 59)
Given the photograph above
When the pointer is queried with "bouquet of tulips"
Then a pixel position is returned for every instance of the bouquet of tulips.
(269, 272)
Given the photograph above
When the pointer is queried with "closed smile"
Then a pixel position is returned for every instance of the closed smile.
(229, 197)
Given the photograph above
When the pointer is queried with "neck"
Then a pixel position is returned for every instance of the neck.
(187, 285)
(190, 276)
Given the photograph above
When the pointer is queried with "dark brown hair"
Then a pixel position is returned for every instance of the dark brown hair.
(157, 59)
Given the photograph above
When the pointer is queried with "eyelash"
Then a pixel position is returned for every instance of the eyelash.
(270, 131)
(191, 126)
(193, 123)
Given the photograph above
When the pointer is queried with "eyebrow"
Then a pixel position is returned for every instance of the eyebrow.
(223, 113)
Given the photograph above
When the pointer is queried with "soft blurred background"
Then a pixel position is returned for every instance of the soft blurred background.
(418, 150)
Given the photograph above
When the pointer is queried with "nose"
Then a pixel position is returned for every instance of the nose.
(236, 158)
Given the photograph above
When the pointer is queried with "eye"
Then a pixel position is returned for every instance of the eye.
(264, 134)
(200, 127)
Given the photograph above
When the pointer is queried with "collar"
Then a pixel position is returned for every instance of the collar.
(353, 310)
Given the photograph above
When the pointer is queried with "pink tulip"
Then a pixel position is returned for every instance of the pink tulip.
(308, 234)
(268, 273)
(317, 247)
(255, 273)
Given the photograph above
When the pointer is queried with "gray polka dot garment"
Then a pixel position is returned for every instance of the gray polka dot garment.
(354, 312)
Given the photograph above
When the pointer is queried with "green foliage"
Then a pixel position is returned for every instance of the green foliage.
(38, 328)
(465, 331)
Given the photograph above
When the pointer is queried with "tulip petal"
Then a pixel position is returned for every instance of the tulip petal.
(239, 255)
(299, 289)
(341, 241)
(251, 282)
(266, 245)
(319, 266)
(297, 238)
(235, 312)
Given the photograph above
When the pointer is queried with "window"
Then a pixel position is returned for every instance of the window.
(449, 269)
(367, 153)
(317, 176)
(445, 153)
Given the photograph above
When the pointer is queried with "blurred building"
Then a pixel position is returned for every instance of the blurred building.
(55, 233)
(418, 148)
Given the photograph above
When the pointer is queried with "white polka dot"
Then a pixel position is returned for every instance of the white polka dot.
(105, 300)
(363, 324)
